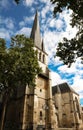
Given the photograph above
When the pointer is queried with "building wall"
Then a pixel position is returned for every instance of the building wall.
(68, 109)
(77, 110)
(38, 110)
(82, 115)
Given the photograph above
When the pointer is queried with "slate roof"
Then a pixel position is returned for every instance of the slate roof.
(63, 88)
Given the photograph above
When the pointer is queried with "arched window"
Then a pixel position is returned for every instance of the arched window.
(40, 113)
(77, 107)
(43, 58)
(40, 56)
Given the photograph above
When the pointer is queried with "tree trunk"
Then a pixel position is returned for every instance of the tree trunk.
(3, 114)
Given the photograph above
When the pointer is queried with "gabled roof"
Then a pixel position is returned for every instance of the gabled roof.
(64, 87)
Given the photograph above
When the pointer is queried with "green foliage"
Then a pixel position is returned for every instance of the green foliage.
(18, 64)
(75, 5)
(70, 50)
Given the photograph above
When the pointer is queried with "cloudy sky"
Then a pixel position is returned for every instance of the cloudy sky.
(19, 19)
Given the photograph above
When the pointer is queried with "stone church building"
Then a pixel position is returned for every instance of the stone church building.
(43, 107)
(66, 100)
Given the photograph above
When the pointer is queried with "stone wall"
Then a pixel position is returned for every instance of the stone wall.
(65, 129)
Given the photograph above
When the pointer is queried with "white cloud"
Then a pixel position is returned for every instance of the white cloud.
(7, 28)
(56, 79)
(28, 2)
(81, 95)
(7, 22)
(78, 84)
(4, 34)
(26, 20)
(64, 69)
(56, 23)
(69, 32)
(21, 23)
(25, 31)
(44, 11)
(76, 68)
(61, 28)
(47, 8)
(44, 1)
(59, 23)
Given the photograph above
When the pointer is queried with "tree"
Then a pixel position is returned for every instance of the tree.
(70, 50)
(18, 66)
(18, 62)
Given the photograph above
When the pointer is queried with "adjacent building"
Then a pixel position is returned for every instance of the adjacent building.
(68, 107)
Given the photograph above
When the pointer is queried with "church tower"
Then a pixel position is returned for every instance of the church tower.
(33, 108)
(40, 108)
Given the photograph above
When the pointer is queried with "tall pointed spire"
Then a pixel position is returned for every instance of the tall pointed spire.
(35, 33)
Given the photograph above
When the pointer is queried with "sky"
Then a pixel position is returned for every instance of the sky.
(18, 19)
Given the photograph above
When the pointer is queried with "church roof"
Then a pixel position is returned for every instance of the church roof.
(63, 88)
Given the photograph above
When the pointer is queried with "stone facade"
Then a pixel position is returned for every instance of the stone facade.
(68, 107)
(42, 107)
(82, 115)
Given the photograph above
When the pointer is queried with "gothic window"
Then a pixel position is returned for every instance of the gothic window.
(43, 58)
(40, 115)
(40, 56)
(40, 90)
(77, 107)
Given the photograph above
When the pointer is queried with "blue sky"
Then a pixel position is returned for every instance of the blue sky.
(19, 19)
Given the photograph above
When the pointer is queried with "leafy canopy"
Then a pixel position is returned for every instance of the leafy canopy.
(18, 63)
(70, 50)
